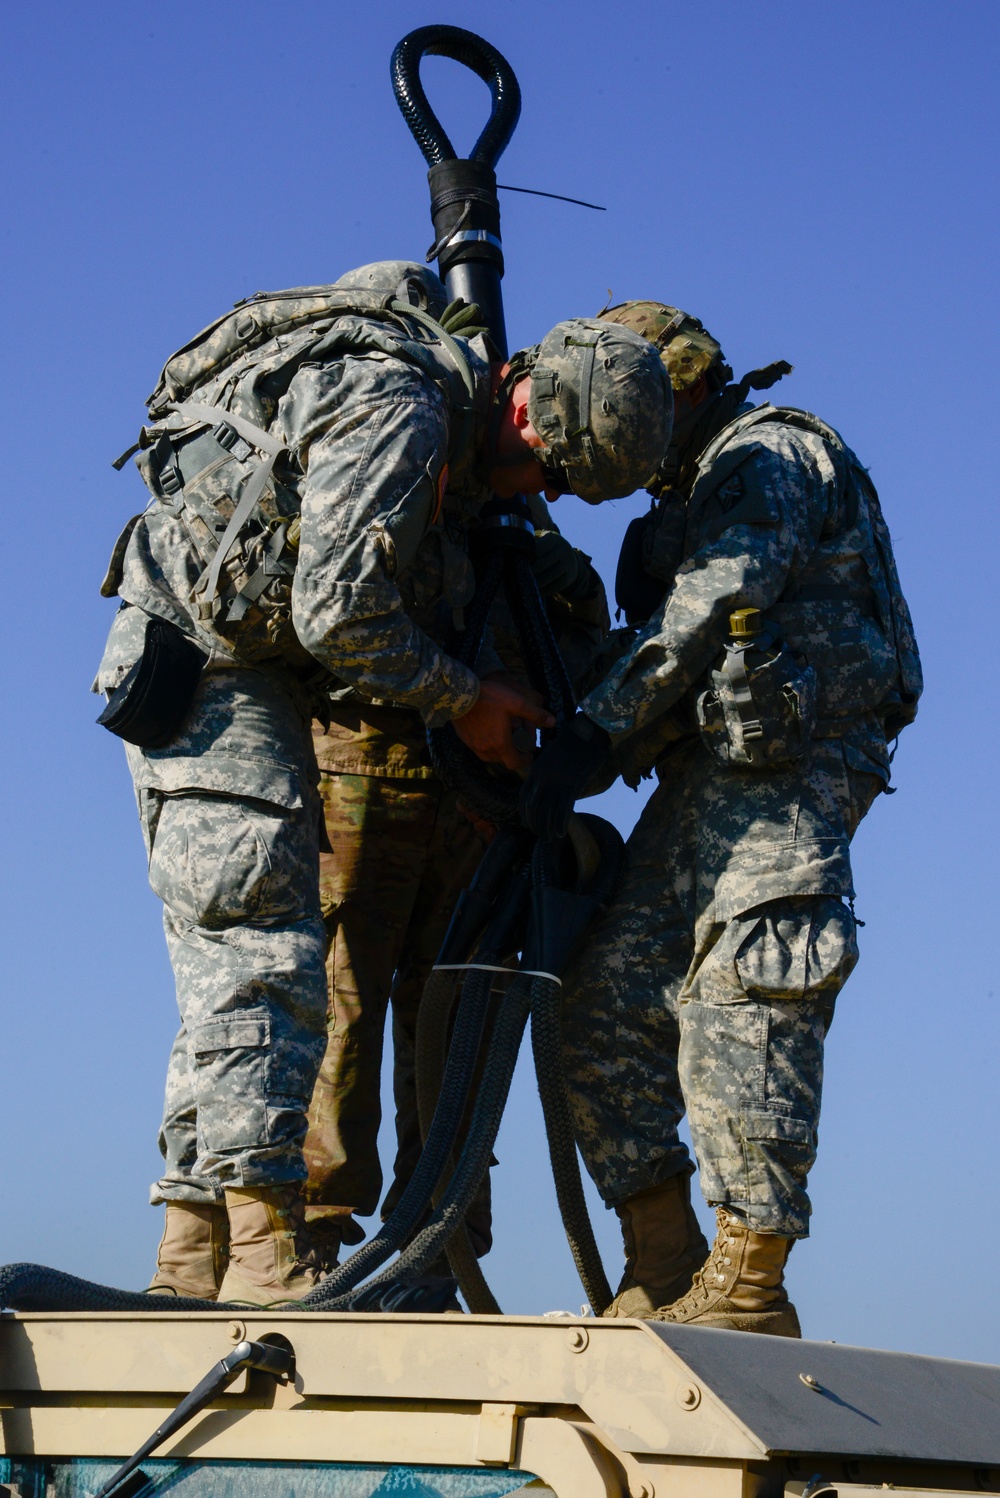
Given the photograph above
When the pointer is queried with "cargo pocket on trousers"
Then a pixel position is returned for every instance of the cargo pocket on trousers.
(230, 1055)
(723, 1058)
(210, 863)
(798, 949)
(778, 1152)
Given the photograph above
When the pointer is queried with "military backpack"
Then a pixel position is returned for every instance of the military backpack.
(209, 456)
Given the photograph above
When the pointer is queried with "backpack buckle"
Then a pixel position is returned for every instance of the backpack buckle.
(170, 480)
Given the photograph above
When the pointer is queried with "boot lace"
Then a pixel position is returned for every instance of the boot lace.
(712, 1274)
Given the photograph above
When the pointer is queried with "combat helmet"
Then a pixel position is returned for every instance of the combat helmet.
(601, 402)
(406, 280)
(688, 351)
(685, 345)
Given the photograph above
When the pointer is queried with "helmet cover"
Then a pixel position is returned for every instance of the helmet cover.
(601, 402)
(686, 347)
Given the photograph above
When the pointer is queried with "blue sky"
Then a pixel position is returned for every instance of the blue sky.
(818, 183)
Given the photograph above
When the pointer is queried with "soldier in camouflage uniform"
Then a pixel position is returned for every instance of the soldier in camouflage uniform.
(710, 984)
(315, 459)
(402, 853)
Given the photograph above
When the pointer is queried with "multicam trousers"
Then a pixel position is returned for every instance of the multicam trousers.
(402, 853)
(710, 984)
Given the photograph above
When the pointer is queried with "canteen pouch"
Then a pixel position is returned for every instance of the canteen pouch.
(152, 701)
(760, 709)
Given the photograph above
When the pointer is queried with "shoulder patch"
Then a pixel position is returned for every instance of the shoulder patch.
(730, 493)
(744, 497)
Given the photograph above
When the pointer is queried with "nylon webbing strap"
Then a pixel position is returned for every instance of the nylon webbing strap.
(254, 489)
(256, 483)
(465, 409)
(215, 415)
(736, 670)
(425, 320)
(269, 569)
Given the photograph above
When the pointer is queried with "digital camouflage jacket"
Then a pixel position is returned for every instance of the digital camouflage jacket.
(353, 563)
(780, 516)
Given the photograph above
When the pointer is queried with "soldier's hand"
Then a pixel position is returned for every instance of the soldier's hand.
(561, 773)
(488, 727)
(558, 566)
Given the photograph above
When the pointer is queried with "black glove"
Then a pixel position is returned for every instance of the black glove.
(558, 566)
(561, 773)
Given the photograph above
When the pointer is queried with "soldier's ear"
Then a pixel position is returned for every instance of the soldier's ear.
(519, 397)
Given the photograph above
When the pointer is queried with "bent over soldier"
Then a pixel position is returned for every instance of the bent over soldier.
(314, 461)
(775, 658)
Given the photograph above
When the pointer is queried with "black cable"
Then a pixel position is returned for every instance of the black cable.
(263, 1355)
(474, 1161)
(462, 1055)
(546, 668)
(546, 1046)
(479, 55)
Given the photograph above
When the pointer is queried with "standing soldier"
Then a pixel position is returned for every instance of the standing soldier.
(774, 661)
(302, 455)
(401, 850)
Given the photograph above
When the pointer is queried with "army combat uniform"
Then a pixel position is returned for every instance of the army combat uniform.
(710, 984)
(352, 556)
(401, 854)
(316, 458)
(402, 851)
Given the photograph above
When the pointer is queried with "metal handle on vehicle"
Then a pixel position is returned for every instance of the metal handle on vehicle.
(268, 1357)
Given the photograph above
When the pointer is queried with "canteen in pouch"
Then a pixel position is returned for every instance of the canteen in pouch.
(760, 708)
(153, 700)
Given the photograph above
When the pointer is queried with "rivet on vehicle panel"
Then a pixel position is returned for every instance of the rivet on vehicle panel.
(689, 1396)
(578, 1339)
(237, 1331)
(809, 1381)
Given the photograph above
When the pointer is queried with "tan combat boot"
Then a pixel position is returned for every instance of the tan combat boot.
(272, 1258)
(663, 1247)
(193, 1252)
(740, 1287)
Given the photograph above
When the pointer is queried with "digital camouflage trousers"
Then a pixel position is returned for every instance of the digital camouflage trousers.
(230, 820)
(238, 881)
(710, 984)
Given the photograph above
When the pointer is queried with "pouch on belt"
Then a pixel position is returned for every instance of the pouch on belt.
(152, 701)
(760, 710)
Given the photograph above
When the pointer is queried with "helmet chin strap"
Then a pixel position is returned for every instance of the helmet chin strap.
(691, 435)
(520, 365)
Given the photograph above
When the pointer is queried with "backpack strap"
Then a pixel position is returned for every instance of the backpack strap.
(208, 586)
(464, 408)
(215, 416)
